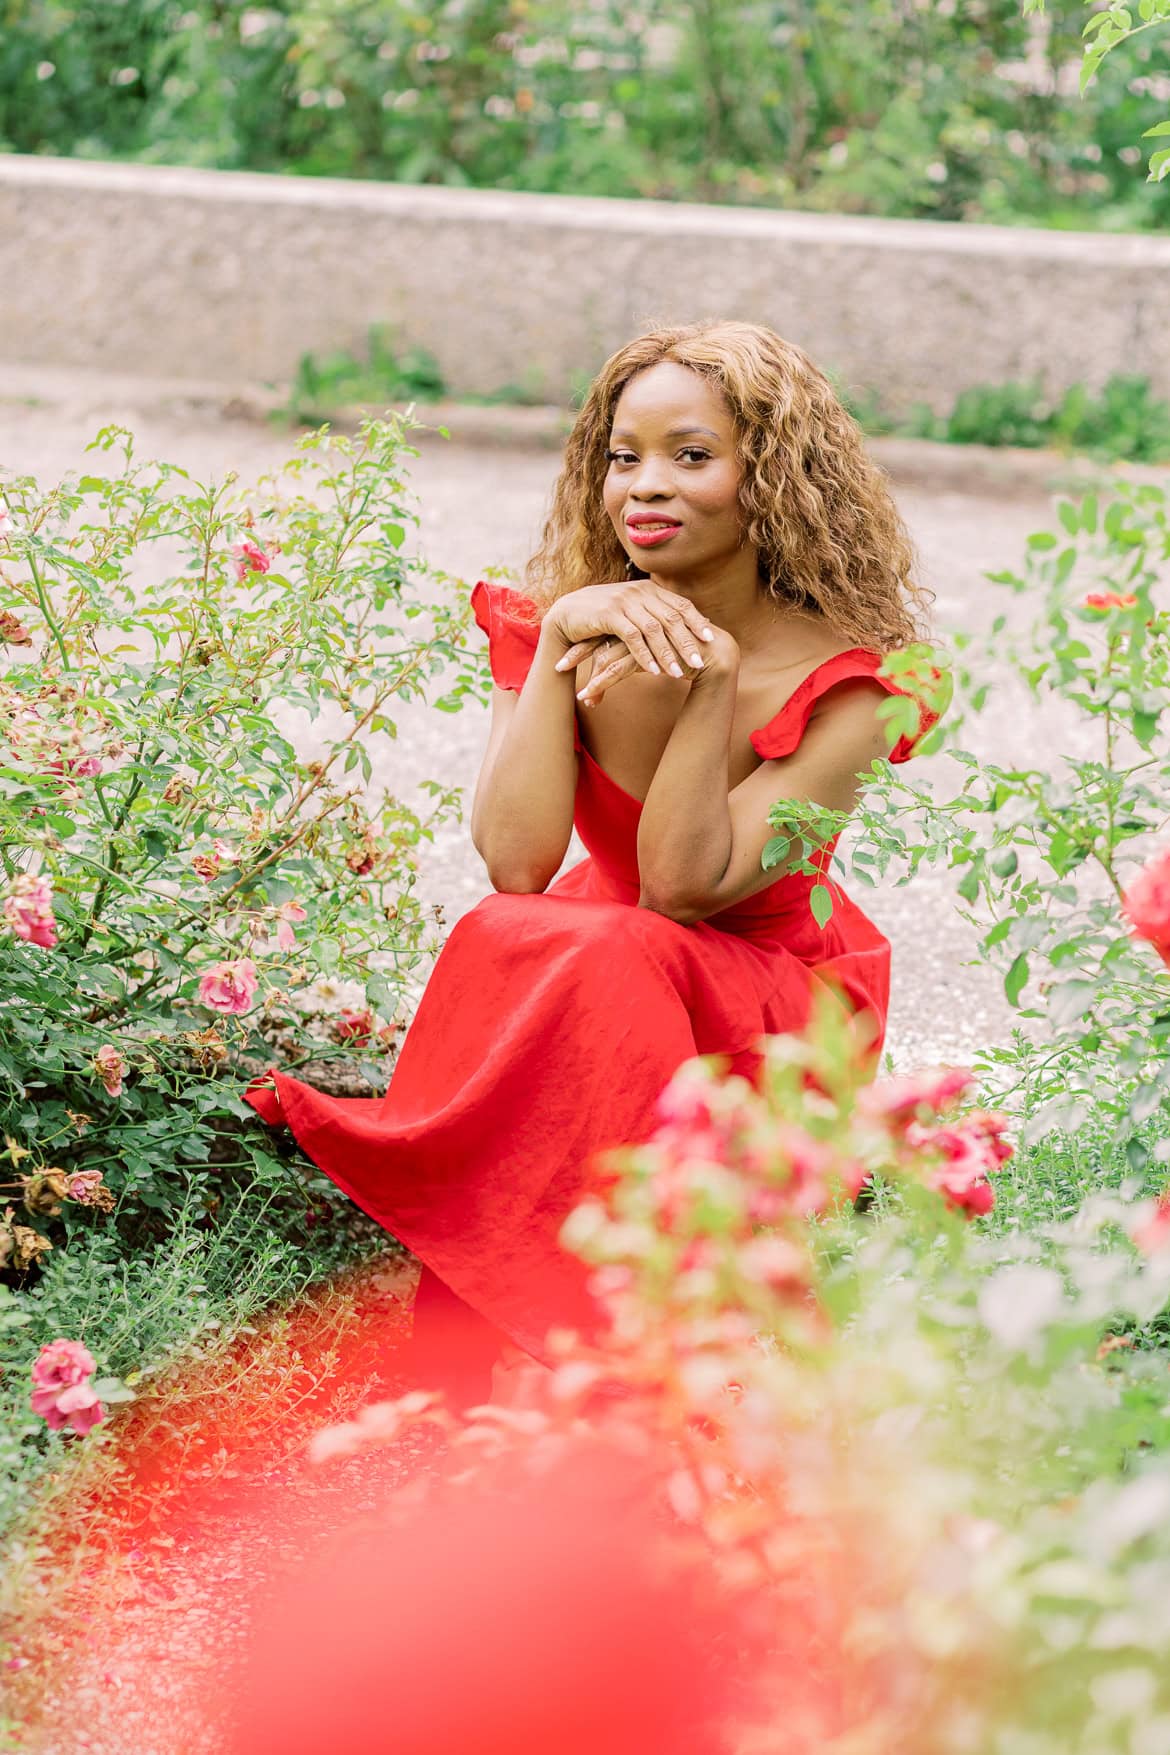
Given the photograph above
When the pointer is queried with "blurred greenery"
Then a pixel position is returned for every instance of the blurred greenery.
(947, 109)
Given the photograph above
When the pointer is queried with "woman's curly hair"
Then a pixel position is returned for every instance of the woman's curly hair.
(819, 511)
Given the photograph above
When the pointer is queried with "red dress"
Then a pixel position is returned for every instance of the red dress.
(552, 1021)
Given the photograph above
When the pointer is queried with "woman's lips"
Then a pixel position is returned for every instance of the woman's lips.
(646, 536)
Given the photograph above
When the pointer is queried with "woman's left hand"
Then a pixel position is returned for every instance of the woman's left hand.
(720, 661)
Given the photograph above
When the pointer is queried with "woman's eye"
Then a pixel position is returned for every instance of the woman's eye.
(687, 450)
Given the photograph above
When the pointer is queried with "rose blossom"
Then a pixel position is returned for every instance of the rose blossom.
(1146, 904)
(111, 1068)
(229, 986)
(62, 1393)
(206, 866)
(286, 915)
(972, 1149)
(1110, 600)
(6, 524)
(250, 558)
(28, 909)
(354, 1026)
(898, 1100)
(88, 1189)
(1153, 1234)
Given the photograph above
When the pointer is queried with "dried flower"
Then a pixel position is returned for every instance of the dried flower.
(20, 1246)
(229, 986)
(62, 1393)
(111, 1068)
(207, 1047)
(88, 1189)
(28, 909)
(44, 1191)
(12, 631)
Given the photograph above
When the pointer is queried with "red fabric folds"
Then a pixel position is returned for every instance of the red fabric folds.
(552, 1021)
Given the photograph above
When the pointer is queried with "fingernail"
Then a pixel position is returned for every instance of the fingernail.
(654, 668)
(676, 670)
(707, 634)
(559, 665)
(695, 660)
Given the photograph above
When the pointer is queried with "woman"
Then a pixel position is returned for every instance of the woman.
(766, 572)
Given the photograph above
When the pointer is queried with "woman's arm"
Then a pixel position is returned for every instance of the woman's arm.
(699, 848)
(522, 815)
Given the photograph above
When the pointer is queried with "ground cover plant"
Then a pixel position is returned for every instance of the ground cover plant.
(965, 111)
(201, 873)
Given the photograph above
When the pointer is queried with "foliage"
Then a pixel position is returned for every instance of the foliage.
(341, 380)
(202, 873)
(918, 1458)
(1105, 30)
(964, 110)
(1124, 421)
(1045, 850)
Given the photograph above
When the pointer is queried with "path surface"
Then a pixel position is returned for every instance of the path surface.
(140, 1692)
(479, 508)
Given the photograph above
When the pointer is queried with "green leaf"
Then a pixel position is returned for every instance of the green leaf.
(1158, 128)
(1016, 979)
(821, 903)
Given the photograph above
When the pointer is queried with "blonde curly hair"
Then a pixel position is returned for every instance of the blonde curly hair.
(819, 511)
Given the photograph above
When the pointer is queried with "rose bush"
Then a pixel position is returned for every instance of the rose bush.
(195, 850)
(1061, 856)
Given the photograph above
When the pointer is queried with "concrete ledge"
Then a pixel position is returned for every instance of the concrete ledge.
(993, 471)
(186, 274)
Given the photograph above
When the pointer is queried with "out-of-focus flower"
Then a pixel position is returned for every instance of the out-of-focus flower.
(28, 909)
(288, 915)
(7, 527)
(45, 1191)
(62, 1393)
(206, 866)
(1153, 1234)
(971, 1150)
(251, 558)
(111, 1068)
(1146, 904)
(88, 1189)
(1107, 600)
(13, 631)
(229, 986)
(900, 1101)
(354, 1026)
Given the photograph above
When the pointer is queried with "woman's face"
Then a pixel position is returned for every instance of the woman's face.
(672, 456)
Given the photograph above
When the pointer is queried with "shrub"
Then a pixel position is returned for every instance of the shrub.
(200, 868)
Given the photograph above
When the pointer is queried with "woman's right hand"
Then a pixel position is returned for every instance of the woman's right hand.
(661, 629)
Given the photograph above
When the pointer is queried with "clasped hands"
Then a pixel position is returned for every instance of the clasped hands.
(635, 625)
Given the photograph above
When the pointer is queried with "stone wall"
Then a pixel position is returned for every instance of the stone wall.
(231, 276)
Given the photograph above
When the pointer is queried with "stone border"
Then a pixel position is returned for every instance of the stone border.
(174, 272)
(925, 464)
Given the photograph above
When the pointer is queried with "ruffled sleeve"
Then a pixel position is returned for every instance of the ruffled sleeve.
(511, 622)
(782, 734)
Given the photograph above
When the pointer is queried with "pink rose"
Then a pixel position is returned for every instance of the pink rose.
(206, 866)
(111, 1068)
(7, 527)
(1153, 1235)
(1146, 904)
(250, 558)
(88, 1189)
(229, 986)
(62, 1393)
(13, 631)
(972, 1149)
(899, 1100)
(28, 909)
(288, 914)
